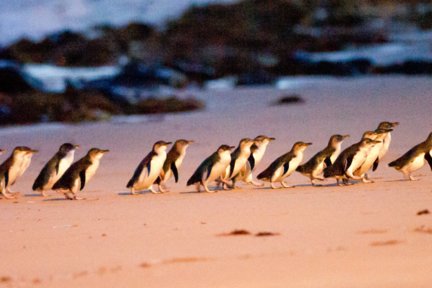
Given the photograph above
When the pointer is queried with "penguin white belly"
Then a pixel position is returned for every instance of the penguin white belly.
(336, 153)
(25, 164)
(358, 160)
(318, 169)
(293, 164)
(385, 146)
(156, 164)
(91, 170)
(65, 163)
(259, 154)
(239, 164)
(370, 159)
(220, 167)
(14, 172)
(415, 164)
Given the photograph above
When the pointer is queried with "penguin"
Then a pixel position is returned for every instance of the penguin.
(257, 153)
(55, 168)
(211, 168)
(149, 169)
(314, 168)
(284, 166)
(173, 162)
(414, 158)
(373, 156)
(13, 168)
(386, 142)
(79, 174)
(349, 160)
(239, 157)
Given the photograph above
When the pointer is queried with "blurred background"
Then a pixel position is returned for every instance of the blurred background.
(91, 59)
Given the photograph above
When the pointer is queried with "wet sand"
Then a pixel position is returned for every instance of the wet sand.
(365, 235)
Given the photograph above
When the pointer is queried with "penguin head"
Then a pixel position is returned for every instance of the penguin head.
(181, 144)
(67, 147)
(370, 135)
(336, 139)
(429, 139)
(224, 148)
(96, 153)
(246, 143)
(24, 151)
(160, 146)
(300, 146)
(387, 125)
(262, 140)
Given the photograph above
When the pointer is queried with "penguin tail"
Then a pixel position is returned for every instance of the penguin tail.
(392, 164)
(130, 183)
(193, 179)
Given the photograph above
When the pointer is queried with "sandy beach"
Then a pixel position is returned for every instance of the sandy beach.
(365, 235)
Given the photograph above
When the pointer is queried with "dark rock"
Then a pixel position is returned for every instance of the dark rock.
(14, 80)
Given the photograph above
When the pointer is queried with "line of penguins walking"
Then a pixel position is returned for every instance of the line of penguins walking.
(223, 167)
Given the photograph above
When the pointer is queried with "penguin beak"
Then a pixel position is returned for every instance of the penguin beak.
(308, 144)
(77, 146)
(272, 138)
(105, 151)
(167, 143)
(394, 124)
(231, 147)
(191, 141)
(32, 151)
(345, 136)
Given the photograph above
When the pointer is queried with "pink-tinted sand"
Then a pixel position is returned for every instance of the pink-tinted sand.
(365, 235)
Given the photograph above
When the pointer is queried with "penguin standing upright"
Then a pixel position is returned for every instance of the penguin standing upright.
(414, 158)
(149, 169)
(373, 156)
(172, 163)
(79, 174)
(211, 168)
(314, 168)
(257, 153)
(13, 168)
(386, 141)
(55, 168)
(239, 157)
(284, 165)
(349, 160)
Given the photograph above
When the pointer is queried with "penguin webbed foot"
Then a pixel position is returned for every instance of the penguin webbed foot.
(412, 178)
(285, 185)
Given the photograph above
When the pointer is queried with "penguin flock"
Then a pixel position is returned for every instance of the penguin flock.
(223, 167)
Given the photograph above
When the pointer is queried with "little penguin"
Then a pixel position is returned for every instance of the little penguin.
(257, 153)
(386, 141)
(414, 158)
(314, 168)
(373, 156)
(55, 168)
(349, 160)
(239, 157)
(149, 169)
(172, 163)
(284, 166)
(13, 168)
(211, 168)
(79, 174)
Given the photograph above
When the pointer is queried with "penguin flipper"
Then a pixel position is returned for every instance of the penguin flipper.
(428, 158)
(6, 176)
(375, 164)
(286, 167)
(348, 162)
(328, 162)
(251, 160)
(232, 164)
(174, 171)
(82, 176)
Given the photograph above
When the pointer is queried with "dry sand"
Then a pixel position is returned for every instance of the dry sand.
(366, 235)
